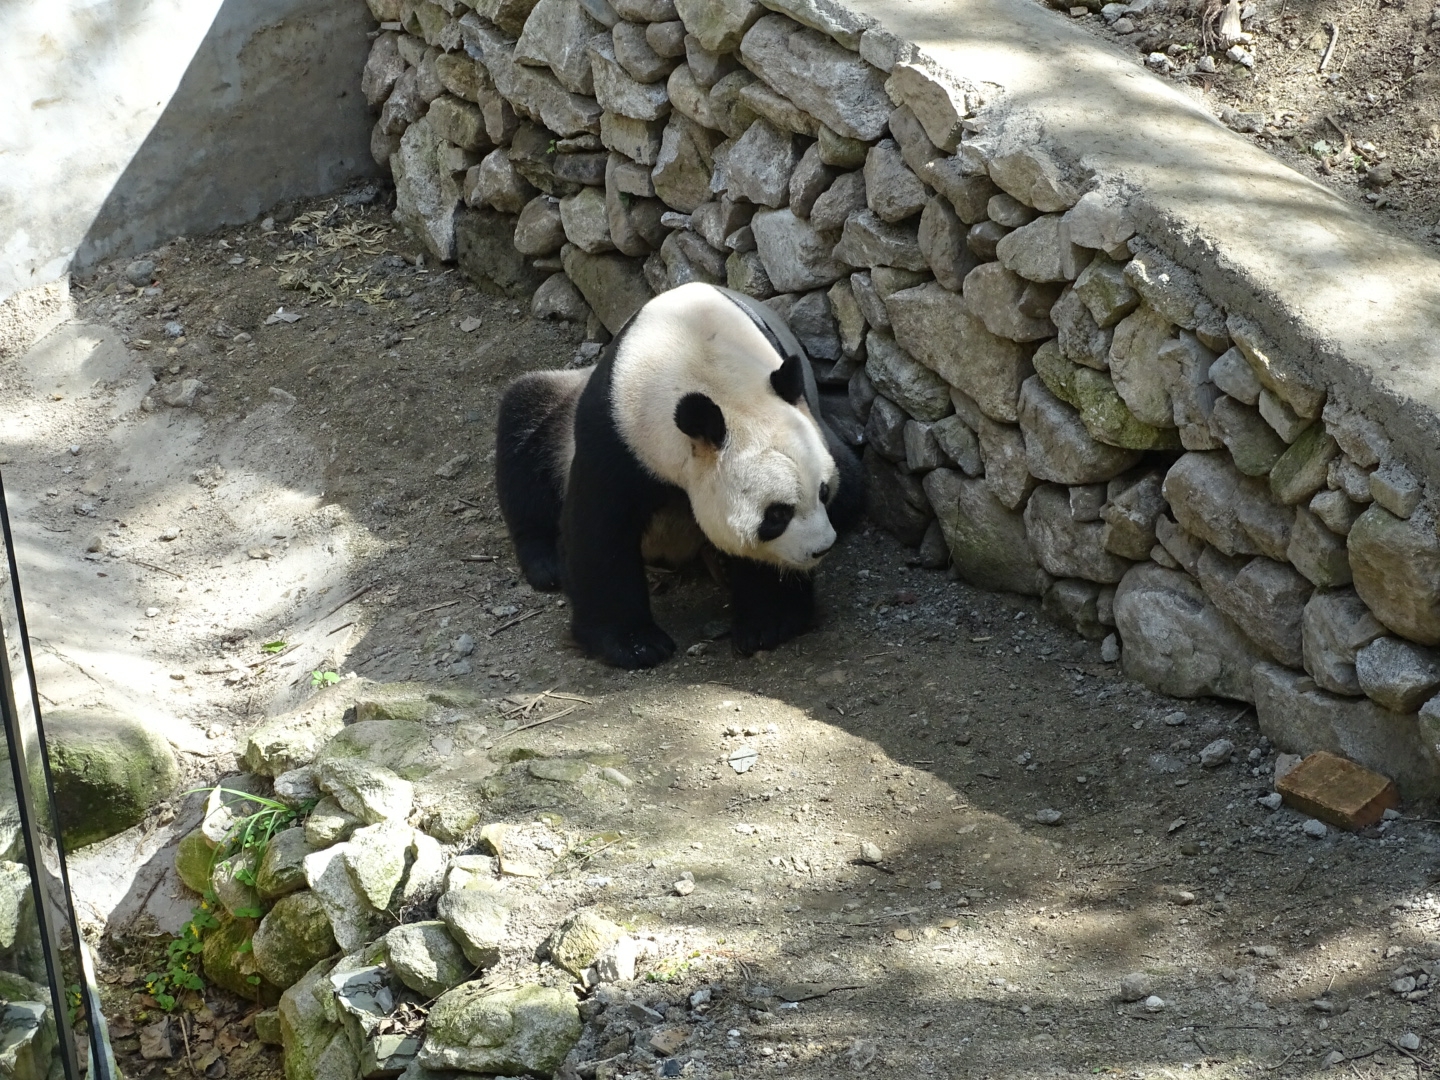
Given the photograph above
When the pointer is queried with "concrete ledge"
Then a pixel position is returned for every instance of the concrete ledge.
(1351, 307)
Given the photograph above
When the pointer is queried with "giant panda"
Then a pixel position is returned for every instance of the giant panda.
(700, 424)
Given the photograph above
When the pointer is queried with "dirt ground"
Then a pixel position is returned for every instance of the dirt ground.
(1368, 126)
(922, 716)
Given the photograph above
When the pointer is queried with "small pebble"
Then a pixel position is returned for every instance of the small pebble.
(1049, 817)
(1271, 801)
(464, 645)
(1403, 985)
(1318, 830)
(684, 887)
(1391, 815)
(140, 273)
(1154, 1003)
(869, 853)
(170, 533)
(1174, 719)
(1110, 649)
(1216, 754)
(1333, 1058)
(1135, 986)
(151, 612)
(1123, 26)
(1408, 1041)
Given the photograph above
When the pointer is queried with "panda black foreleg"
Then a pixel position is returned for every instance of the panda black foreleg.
(769, 606)
(605, 515)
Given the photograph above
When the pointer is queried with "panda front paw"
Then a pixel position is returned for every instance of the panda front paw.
(633, 647)
(540, 563)
(769, 630)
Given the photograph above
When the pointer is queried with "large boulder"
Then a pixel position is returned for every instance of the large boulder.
(1176, 641)
(986, 539)
(292, 937)
(107, 771)
(1396, 563)
(474, 1028)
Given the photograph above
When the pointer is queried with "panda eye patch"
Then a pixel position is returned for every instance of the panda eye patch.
(776, 520)
(825, 492)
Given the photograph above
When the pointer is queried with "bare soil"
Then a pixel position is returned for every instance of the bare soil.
(922, 716)
(1368, 127)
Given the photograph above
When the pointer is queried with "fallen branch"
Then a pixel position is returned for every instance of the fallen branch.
(478, 558)
(1329, 49)
(433, 607)
(513, 622)
(543, 720)
(353, 596)
(152, 566)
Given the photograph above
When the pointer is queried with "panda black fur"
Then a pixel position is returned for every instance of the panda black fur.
(700, 423)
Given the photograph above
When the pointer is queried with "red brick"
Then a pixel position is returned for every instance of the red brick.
(1336, 790)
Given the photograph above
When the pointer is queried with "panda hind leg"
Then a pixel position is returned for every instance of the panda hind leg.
(534, 413)
(769, 606)
(848, 506)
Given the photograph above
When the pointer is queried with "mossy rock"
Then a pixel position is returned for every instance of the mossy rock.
(415, 702)
(107, 770)
(293, 938)
(195, 860)
(229, 961)
(1103, 412)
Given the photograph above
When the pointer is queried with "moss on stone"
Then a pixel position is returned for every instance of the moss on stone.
(108, 770)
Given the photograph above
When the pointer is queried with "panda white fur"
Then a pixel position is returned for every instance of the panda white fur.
(701, 422)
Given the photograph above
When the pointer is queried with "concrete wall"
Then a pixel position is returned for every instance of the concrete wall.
(131, 121)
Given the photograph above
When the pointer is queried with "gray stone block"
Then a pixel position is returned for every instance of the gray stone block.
(910, 384)
(1317, 552)
(844, 196)
(1299, 717)
(1065, 547)
(993, 294)
(892, 191)
(1397, 572)
(1232, 373)
(1176, 641)
(1213, 500)
(1335, 626)
(1057, 445)
(869, 241)
(761, 164)
(896, 500)
(555, 36)
(1265, 598)
(822, 78)
(796, 255)
(1397, 674)
(1007, 470)
(986, 539)
(937, 327)
(1140, 377)
(1394, 487)
(959, 444)
(1336, 510)
(1253, 444)
(942, 243)
(1075, 605)
(1134, 505)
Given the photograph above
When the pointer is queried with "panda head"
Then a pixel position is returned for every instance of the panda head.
(710, 394)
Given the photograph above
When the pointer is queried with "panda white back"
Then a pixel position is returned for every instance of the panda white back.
(759, 480)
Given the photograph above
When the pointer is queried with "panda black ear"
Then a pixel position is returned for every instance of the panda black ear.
(700, 418)
(788, 379)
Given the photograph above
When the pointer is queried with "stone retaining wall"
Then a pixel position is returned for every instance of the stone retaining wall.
(1047, 400)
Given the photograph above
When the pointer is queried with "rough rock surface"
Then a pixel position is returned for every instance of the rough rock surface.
(986, 539)
(1176, 641)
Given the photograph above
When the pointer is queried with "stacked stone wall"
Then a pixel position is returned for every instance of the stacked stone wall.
(1046, 401)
